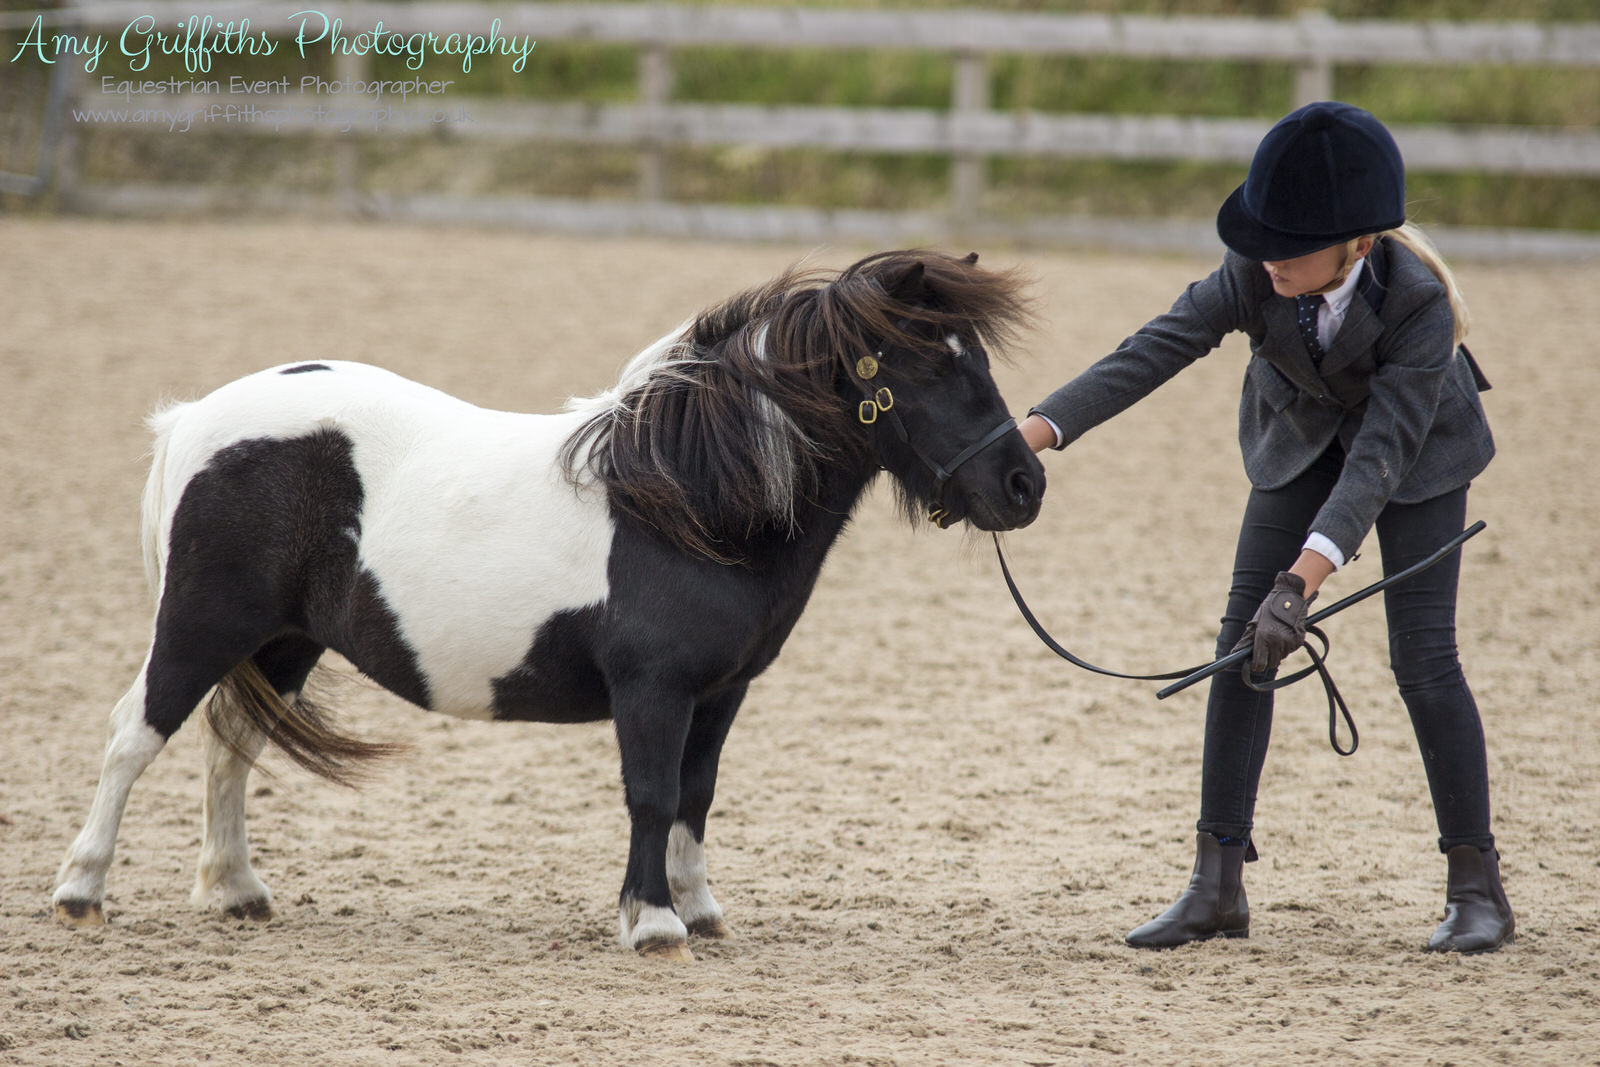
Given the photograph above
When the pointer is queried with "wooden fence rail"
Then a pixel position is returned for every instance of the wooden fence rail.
(969, 131)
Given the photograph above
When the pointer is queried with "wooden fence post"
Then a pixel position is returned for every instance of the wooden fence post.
(60, 140)
(655, 91)
(1313, 77)
(969, 99)
(346, 150)
(69, 153)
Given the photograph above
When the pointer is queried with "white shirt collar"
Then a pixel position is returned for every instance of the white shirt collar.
(1339, 299)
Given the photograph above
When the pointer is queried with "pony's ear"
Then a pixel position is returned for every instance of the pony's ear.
(971, 259)
(911, 284)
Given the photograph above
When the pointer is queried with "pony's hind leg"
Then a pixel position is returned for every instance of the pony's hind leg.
(231, 745)
(686, 852)
(188, 656)
(81, 882)
(224, 868)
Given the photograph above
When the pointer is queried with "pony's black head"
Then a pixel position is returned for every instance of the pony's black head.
(925, 395)
(729, 430)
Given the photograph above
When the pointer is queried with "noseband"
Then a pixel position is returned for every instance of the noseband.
(881, 402)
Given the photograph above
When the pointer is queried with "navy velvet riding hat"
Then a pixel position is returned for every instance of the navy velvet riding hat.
(1326, 173)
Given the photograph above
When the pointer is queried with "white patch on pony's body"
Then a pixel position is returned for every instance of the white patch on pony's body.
(686, 877)
(467, 522)
(130, 749)
(476, 547)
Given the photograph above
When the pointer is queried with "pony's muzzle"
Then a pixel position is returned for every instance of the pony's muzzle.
(1009, 505)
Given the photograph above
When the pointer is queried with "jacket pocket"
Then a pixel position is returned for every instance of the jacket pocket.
(1279, 392)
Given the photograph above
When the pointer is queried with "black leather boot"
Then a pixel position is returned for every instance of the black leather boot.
(1477, 916)
(1212, 906)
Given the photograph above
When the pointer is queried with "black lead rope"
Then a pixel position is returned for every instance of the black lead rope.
(1190, 675)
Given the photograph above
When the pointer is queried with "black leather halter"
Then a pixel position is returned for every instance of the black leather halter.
(881, 402)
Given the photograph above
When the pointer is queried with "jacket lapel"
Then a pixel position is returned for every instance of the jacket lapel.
(1361, 328)
(1362, 324)
(1286, 351)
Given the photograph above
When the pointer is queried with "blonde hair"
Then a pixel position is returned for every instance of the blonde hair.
(1411, 237)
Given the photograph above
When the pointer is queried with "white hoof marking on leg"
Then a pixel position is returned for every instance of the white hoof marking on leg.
(686, 877)
(647, 928)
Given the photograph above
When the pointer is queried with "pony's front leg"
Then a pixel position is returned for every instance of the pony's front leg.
(686, 852)
(650, 736)
(81, 883)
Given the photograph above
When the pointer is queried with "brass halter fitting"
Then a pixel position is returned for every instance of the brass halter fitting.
(882, 400)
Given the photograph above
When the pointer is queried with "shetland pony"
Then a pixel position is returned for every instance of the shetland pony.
(640, 557)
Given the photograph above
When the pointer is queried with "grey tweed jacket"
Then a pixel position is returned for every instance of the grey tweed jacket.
(1394, 391)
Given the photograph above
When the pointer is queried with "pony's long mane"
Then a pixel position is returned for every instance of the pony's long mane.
(720, 429)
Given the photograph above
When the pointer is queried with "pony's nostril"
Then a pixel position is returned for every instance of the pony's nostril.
(1021, 486)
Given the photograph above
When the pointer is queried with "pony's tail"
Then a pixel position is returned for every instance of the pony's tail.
(153, 508)
(244, 702)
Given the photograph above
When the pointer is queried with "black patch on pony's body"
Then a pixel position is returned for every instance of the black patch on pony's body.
(559, 679)
(263, 545)
(304, 368)
(370, 638)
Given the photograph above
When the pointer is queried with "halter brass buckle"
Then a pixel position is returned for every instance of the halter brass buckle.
(867, 410)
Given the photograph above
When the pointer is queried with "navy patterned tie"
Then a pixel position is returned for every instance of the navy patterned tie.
(1305, 309)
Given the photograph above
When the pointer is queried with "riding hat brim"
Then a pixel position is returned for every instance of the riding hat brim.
(1253, 239)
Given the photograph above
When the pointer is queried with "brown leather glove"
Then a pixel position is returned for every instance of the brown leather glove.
(1279, 625)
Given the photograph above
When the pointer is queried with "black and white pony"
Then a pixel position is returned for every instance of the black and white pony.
(640, 557)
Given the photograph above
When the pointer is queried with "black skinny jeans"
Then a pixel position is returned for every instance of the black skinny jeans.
(1422, 654)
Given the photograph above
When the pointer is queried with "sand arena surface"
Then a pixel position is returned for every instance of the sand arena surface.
(930, 835)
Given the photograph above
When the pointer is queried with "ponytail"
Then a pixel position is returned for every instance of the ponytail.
(1411, 237)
